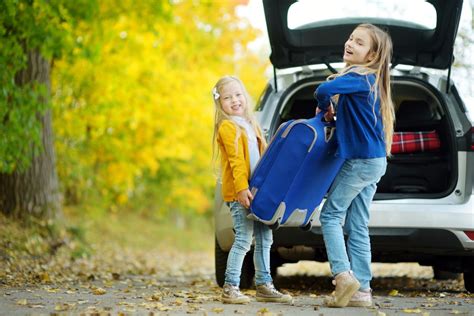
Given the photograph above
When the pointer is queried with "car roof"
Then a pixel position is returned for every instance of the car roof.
(322, 42)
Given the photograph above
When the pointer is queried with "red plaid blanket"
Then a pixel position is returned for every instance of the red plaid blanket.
(410, 142)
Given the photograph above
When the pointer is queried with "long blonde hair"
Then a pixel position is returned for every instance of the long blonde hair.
(220, 115)
(381, 50)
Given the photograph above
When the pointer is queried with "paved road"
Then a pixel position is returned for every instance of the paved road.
(198, 294)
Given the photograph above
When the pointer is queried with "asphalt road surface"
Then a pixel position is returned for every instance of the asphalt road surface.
(199, 295)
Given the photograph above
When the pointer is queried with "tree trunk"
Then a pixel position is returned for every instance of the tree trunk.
(34, 192)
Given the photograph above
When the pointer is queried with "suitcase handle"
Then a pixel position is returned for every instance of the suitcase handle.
(328, 133)
(301, 121)
(290, 126)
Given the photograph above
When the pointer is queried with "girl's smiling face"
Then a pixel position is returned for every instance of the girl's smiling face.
(232, 99)
(357, 48)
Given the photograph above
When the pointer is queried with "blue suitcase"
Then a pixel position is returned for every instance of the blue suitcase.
(295, 173)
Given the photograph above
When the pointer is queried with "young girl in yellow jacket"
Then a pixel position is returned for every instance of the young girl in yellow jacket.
(240, 145)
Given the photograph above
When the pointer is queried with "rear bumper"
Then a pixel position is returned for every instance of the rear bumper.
(389, 240)
(439, 247)
(400, 230)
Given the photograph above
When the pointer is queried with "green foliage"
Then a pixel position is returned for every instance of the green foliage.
(20, 127)
(130, 83)
(27, 25)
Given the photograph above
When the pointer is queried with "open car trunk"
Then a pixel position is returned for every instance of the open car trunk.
(418, 173)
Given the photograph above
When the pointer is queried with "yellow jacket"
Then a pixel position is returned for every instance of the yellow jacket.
(235, 159)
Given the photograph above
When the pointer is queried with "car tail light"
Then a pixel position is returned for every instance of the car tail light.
(472, 138)
(469, 234)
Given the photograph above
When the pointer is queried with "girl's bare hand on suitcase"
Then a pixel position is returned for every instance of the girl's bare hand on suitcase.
(329, 115)
(245, 197)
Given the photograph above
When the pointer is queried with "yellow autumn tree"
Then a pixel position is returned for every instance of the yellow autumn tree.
(133, 109)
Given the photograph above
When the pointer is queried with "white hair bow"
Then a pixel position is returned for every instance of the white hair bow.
(215, 93)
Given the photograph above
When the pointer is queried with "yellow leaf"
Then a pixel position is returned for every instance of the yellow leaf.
(156, 297)
(217, 309)
(61, 307)
(412, 310)
(165, 308)
(393, 293)
(45, 277)
(22, 302)
(99, 291)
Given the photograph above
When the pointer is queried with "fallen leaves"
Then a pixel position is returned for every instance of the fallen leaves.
(124, 281)
(64, 307)
(98, 291)
(393, 293)
(23, 302)
(412, 310)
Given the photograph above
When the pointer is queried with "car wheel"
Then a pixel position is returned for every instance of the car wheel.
(248, 270)
(469, 281)
(275, 262)
(439, 274)
(220, 260)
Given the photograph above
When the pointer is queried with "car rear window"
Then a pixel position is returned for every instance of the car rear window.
(409, 13)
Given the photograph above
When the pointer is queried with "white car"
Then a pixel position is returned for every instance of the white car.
(423, 210)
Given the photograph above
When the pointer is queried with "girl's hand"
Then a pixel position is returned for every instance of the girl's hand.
(245, 197)
(329, 115)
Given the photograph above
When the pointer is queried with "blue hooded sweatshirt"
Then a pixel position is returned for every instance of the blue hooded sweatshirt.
(359, 126)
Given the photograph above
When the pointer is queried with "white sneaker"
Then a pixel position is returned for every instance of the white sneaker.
(346, 286)
(232, 295)
(268, 293)
(361, 299)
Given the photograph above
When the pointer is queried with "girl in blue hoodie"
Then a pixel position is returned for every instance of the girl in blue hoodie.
(364, 128)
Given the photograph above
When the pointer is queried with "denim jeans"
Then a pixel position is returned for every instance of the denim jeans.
(244, 230)
(349, 197)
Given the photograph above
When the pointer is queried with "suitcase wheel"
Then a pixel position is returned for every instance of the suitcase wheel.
(275, 225)
(307, 227)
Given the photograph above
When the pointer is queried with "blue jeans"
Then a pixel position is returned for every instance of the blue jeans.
(349, 197)
(244, 230)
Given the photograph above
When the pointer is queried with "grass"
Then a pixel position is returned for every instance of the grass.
(87, 244)
(86, 231)
(142, 232)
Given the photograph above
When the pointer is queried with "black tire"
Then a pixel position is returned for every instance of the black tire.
(469, 281)
(220, 259)
(275, 262)
(248, 270)
(439, 274)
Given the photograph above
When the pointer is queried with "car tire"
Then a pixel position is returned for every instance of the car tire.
(469, 281)
(220, 260)
(248, 270)
(275, 262)
(439, 274)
